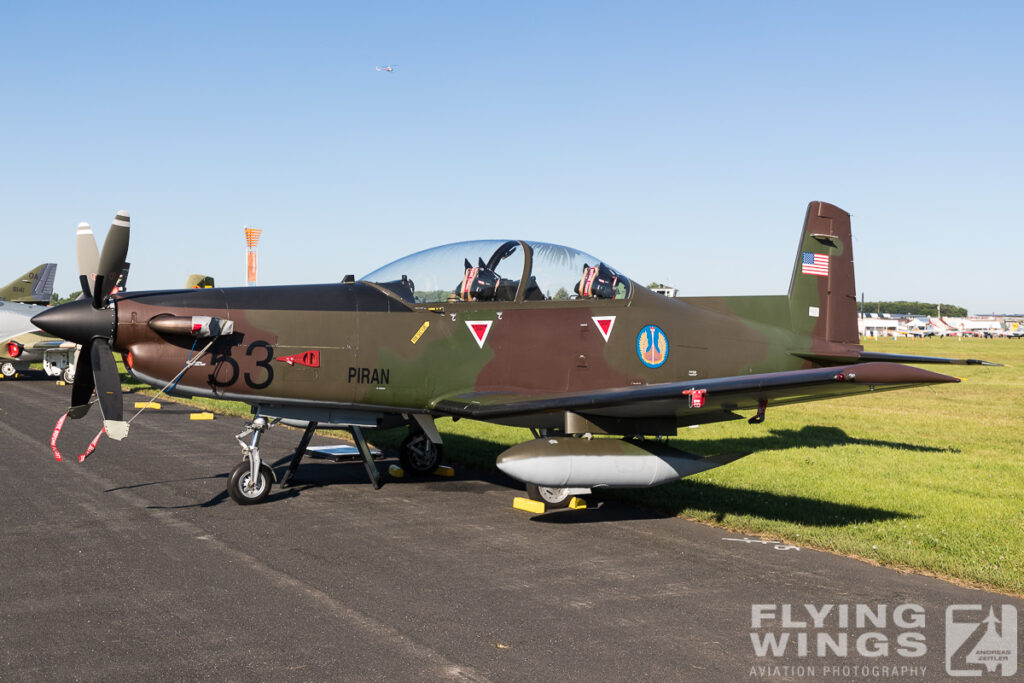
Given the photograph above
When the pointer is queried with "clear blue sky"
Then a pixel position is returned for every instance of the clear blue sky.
(678, 141)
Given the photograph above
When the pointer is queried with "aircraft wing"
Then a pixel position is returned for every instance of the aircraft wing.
(15, 319)
(51, 344)
(875, 357)
(718, 396)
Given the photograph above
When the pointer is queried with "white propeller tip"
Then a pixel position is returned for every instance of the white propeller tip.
(116, 429)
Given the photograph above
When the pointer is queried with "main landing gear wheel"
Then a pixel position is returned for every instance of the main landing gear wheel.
(7, 370)
(69, 375)
(243, 490)
(552, 497)
(419, 455)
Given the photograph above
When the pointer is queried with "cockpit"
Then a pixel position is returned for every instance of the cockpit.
(496, 270)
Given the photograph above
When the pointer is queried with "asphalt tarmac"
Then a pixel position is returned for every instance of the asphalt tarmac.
(137, 566)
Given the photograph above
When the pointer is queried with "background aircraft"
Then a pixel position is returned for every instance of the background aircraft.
(196, 281)
(15, 319)
(386, 67)
(535, 335)
(57, 355)
(34, 287)
(16, 311)
(19, 351)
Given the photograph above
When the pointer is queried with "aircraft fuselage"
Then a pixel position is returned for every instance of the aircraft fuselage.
(357, 344)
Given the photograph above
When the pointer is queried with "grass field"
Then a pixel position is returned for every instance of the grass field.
(927, 479)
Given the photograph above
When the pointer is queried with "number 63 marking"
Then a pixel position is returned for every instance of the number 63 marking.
(224, 359)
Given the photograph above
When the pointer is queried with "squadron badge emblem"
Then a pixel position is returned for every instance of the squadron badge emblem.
(652, 346)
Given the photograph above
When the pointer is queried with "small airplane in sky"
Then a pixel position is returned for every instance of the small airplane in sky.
(387, 67)
(533, 335)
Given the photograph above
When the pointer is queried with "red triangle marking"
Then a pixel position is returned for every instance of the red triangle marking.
(479, 328)
(604, 325)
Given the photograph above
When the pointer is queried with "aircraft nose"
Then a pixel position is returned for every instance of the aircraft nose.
(77, 321)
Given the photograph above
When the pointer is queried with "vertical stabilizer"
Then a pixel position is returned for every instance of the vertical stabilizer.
(34, 287)
(197, 281)
(822, 293)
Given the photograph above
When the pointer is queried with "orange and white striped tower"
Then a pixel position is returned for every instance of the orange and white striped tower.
(252, 238)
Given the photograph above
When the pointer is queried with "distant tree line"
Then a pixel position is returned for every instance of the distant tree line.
(56, 298)
(914, 308)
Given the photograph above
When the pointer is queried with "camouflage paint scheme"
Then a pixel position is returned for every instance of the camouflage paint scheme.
(34, 287)
(477, 343)
(542, 364)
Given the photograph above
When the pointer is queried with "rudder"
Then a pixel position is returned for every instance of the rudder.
(822, 292)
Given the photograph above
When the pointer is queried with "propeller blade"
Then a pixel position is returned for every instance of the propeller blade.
(108, 388)
(88, 257)
(81, 389)
(111, 263)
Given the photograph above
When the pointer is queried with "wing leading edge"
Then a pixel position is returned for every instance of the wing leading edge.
(876, 357)
(676, 399)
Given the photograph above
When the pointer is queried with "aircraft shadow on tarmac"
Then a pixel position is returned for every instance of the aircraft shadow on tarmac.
(688, 494)
(810, 436)
(314, 474)
(664, 501)
(720, 500)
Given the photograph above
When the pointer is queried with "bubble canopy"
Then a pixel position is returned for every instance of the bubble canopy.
(526, 270)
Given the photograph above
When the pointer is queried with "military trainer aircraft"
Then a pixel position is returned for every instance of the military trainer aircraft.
(514, 332)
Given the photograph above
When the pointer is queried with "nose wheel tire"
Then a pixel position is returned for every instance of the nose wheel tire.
(419, 455)
(552, 497)
(243, 490)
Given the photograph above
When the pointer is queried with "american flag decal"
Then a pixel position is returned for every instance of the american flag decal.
(815, 264)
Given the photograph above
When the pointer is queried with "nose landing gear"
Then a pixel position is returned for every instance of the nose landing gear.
(250, 481)
(244, 489)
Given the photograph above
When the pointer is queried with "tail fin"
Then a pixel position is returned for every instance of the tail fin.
(822, 293)
(34, 287)
(196, 281)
